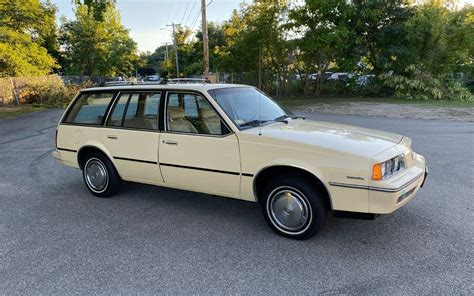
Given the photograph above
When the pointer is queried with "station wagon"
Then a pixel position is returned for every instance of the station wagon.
(235, 141)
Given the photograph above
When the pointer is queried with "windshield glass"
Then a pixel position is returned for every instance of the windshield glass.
(248, 107)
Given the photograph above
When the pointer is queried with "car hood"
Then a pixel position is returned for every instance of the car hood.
(332, 136)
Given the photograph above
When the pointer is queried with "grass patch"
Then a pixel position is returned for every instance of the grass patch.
(301, 101)
(6, 112)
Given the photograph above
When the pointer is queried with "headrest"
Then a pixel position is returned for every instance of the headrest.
(208, 112)
(175, 112)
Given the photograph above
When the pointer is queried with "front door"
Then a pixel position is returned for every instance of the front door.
(197, 150)
(131, 135)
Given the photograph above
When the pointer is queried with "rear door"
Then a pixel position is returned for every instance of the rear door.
(131, 134)
(197, 150)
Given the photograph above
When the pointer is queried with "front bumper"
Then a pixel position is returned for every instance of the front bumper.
(388, 200)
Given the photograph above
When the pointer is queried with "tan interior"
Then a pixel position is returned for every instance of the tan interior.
(210, 121)
(177, 122)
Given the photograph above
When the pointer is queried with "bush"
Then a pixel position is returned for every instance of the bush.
(48, 91)
(418, 84)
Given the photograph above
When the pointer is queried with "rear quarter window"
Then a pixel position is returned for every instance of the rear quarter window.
(89, 108)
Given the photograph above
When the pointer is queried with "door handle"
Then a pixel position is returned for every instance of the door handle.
(113, 137)
(170, 142)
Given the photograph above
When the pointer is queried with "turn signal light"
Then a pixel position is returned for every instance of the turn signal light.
(377, 172)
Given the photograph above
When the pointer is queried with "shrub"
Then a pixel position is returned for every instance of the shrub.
(418, 84)
(48, 91)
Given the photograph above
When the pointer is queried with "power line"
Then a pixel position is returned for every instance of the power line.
(185, 11)
(177, 11)
(195, 20)
(190, 12)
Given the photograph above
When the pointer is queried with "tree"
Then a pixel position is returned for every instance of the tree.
(380, 32)
(28, 39)
(216, 38)
(96, 7)
(254, 42)
(440, 39)
(98, 47)
(324, 27)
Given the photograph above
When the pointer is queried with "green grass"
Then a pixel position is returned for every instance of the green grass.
(301, 101)
(6, 112)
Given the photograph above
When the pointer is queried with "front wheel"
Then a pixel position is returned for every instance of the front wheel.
(293, 207)
(100, 176)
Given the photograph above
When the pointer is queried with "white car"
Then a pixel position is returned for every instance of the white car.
(235, 141)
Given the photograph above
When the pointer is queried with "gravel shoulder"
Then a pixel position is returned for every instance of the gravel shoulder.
(463, 114)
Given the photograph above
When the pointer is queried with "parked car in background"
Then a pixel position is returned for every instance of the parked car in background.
(235, 141)
(364, 80)
(341, 76)
(152, 78)
(325, 76)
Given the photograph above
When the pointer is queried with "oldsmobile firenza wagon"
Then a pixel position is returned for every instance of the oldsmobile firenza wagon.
(234, 141)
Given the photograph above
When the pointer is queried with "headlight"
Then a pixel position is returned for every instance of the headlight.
(388, 168)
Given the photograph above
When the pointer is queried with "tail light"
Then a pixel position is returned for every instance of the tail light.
(56, 139)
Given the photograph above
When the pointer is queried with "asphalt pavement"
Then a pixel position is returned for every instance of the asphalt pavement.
(56, 238)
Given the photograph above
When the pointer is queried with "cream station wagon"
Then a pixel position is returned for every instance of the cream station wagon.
(235, 141)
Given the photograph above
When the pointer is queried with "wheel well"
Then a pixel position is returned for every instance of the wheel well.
(83, 152)
(266, 174)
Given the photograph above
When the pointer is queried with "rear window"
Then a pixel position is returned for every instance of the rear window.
(89, 108)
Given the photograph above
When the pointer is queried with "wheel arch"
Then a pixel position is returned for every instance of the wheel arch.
(85, 150)
(268, 171)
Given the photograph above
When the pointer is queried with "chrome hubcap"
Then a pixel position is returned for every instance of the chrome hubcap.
(289, 209)
(96, 175)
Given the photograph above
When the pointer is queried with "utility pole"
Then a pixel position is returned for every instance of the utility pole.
(205, 41)
(167, 57)
(175, 48)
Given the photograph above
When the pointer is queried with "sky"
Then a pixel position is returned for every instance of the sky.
(146, 18)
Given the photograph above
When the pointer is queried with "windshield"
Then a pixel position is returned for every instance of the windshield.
(248, 107)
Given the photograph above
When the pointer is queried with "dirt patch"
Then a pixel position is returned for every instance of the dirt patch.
(392, 110)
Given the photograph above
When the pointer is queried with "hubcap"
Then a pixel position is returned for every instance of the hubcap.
(96, 175)
(288, 209)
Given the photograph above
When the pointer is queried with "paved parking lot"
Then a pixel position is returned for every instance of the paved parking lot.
(55, 237)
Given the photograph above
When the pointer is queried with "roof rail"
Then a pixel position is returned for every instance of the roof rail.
(185, 80)
(118, 83)
(164, 81)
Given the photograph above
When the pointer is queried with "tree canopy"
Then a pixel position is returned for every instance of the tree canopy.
(28, 38)
(98, 46)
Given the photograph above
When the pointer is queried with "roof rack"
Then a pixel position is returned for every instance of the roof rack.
(164, 81)
(118, 83)
(185, 80)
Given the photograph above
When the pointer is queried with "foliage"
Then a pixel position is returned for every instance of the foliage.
(49, 91)
(98, 47)
(28, 38)
(418, 84)
(325, 30)
(96, 7)
(379, 33)
(440, 39)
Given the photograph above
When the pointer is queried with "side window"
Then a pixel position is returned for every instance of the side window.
(115, 119)
(191, 113)
(89, 108)
(137, 110)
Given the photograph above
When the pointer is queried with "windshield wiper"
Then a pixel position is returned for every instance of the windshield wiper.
(282, 118)
(298, 117)
(254, 122)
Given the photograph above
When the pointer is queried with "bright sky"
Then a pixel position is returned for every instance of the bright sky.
(145, 18)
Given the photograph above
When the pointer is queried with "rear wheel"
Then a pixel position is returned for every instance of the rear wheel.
(100, 176)
(293, 207)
